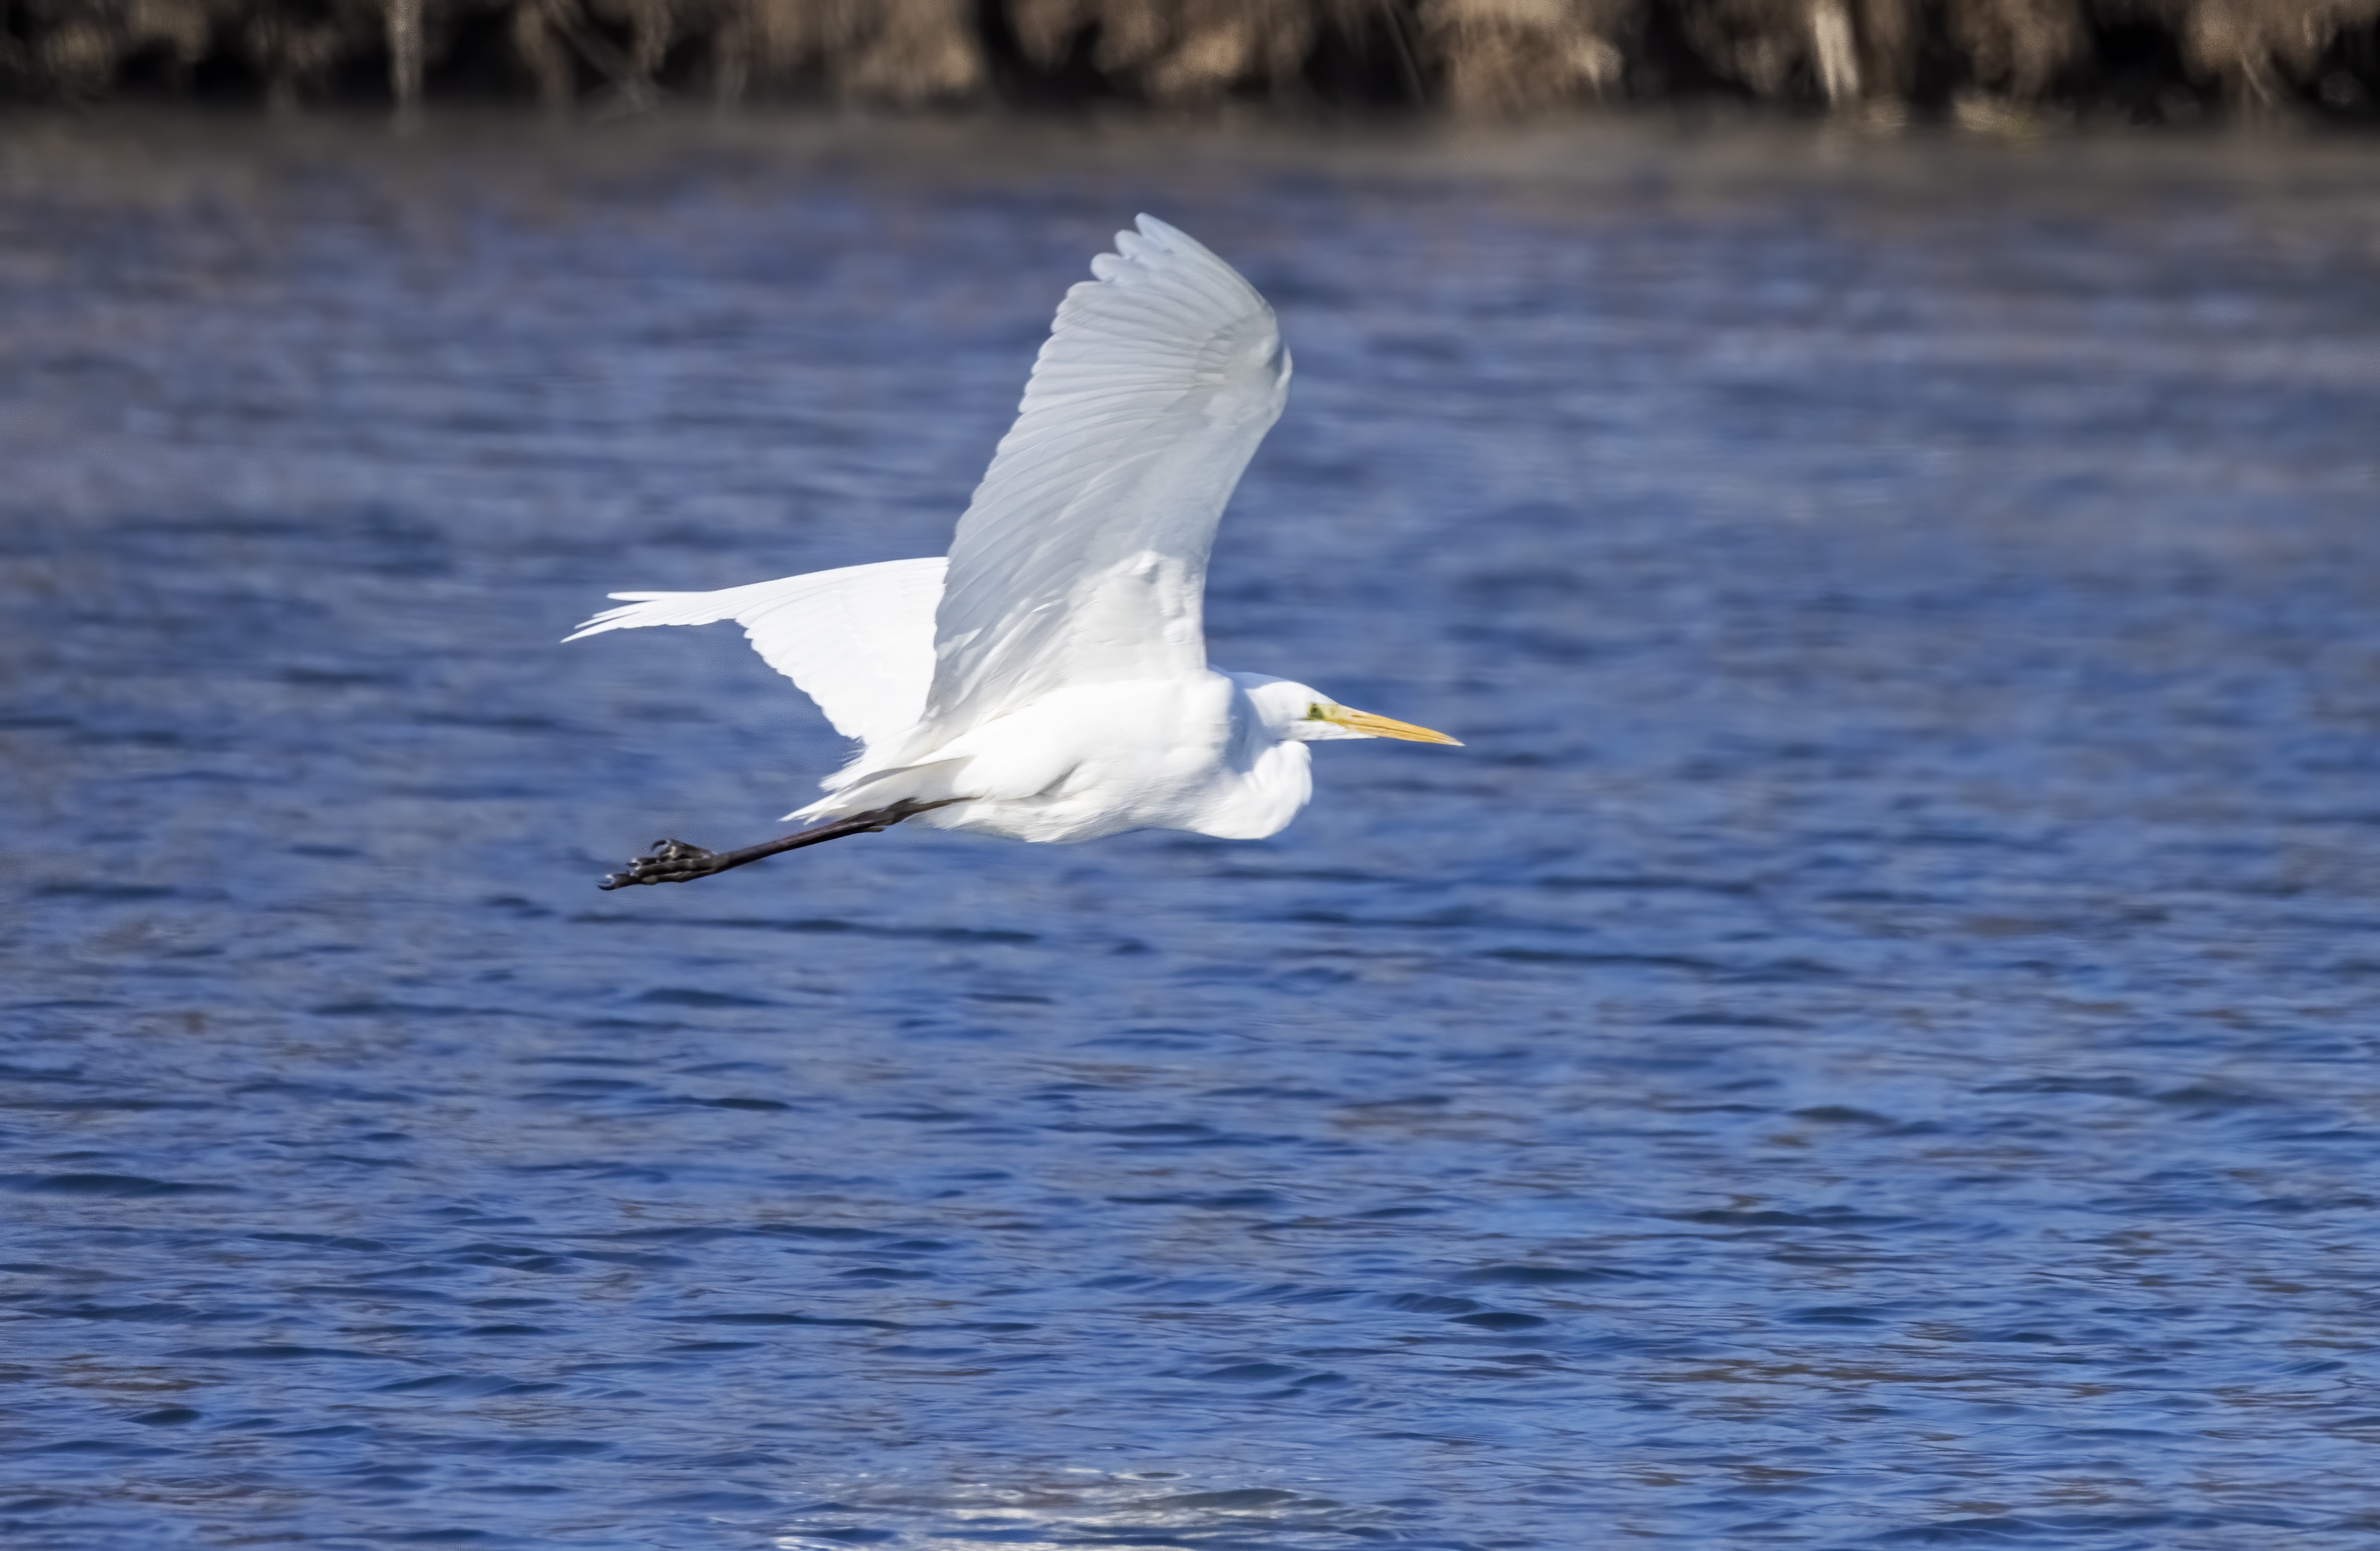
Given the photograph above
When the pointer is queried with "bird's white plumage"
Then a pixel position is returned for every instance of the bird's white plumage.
(859, 641)
(1050, 682)
(1083, 557)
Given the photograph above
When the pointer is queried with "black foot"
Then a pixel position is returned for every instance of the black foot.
(670, 861)
(674, 861)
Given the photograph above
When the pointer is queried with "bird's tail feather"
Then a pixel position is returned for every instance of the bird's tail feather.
(908, 783)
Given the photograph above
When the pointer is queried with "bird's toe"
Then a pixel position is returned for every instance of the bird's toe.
(670, 861)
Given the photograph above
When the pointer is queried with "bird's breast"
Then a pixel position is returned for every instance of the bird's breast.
(1098, 759)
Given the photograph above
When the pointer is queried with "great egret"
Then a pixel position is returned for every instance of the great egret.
(1049, 681)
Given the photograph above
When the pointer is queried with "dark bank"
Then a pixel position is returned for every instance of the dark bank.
(1988, 64)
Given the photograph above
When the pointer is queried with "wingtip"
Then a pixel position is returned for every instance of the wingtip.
(1165, 233)
(1147, 233)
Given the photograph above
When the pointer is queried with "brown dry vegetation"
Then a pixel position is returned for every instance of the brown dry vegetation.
(1986, 64)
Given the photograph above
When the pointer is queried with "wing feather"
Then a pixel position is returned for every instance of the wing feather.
(859, 641)
(1082, 556)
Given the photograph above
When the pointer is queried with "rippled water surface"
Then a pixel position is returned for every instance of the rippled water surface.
(1871, 1043)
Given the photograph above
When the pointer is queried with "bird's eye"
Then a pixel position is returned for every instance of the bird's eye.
(1314, 713)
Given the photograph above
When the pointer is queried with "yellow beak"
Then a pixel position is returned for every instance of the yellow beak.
(1383, 726)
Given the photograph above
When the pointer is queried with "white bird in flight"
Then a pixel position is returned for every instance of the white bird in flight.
(1048, 680)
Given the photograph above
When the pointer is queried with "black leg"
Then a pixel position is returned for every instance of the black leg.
(674, 861)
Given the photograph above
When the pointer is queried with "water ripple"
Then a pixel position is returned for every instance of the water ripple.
(1871, 1045)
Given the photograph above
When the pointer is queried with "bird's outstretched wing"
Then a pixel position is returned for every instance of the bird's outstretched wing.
(859, 641)
(1083, 557)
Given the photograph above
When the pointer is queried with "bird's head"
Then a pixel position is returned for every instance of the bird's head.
(1297, 713)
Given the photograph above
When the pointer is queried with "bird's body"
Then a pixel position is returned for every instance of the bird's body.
(1096, 759)
(1048, 680)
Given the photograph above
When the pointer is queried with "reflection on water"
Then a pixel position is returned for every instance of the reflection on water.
(1871, 1042)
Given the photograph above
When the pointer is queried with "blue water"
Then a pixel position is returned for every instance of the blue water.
(1871, 1043)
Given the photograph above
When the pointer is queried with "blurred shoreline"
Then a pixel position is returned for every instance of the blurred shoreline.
(160, 157)
(2011, 68)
